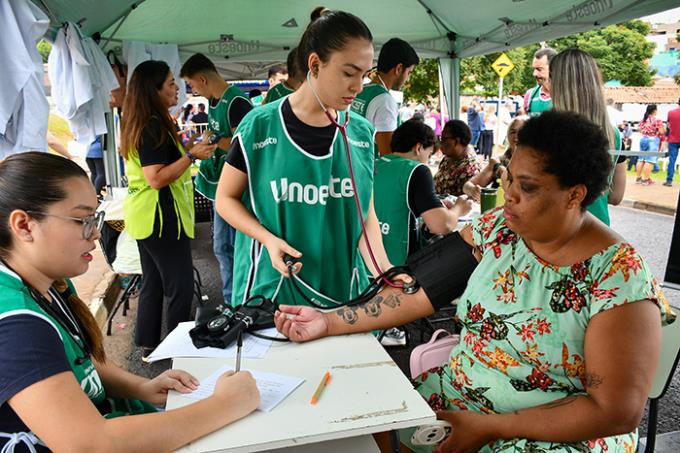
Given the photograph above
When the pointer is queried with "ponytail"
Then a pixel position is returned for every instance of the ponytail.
(85, 319)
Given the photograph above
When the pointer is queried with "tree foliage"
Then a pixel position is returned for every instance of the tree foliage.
(620, 50)
(44, 48)
(423, 83)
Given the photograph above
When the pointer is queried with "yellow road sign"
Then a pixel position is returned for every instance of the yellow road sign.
(503, 65)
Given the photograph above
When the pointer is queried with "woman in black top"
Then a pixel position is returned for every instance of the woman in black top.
(159, 208)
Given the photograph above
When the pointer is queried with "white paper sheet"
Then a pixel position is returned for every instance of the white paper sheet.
(178, 344)
(273, 388)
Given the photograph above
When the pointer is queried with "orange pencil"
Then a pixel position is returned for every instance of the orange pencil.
(322, 385)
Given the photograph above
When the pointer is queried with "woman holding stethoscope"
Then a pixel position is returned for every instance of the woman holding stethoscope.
(290, 187)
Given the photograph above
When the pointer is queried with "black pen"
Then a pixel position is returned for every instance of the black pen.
(239, 346)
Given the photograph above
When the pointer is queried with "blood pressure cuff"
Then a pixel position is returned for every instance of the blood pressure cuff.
(443, 268)
(219, 328)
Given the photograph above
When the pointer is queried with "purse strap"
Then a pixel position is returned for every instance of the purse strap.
(437, 333)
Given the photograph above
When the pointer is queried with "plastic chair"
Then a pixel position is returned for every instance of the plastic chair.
(668, 362)
(109, 240)
(120, 252)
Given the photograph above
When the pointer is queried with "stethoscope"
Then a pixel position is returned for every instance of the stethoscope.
(343, 132)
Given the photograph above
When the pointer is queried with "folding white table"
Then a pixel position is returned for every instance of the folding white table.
(367, 394)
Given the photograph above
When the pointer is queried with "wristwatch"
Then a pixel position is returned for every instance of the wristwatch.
(191, 157)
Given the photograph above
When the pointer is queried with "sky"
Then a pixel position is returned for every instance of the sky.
(667, 17)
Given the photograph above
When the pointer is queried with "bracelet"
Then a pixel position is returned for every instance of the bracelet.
(191, 157)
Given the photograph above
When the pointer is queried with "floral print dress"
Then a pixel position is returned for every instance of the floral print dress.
(454, 173)
(524, 323)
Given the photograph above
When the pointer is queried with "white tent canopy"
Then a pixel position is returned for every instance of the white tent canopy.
(245, 37)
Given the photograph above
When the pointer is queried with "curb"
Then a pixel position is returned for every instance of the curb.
(646, 206)
(104, 295)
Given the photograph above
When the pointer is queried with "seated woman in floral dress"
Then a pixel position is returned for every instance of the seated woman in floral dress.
(459, 163)
(561, 317)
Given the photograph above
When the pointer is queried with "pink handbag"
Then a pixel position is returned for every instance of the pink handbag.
(434, 353)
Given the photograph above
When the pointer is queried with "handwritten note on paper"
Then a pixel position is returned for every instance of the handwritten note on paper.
(273, 388)
(178, 344)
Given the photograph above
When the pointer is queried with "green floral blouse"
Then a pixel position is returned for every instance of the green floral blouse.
(524, 322)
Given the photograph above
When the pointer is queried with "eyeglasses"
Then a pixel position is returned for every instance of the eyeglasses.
(90, 223)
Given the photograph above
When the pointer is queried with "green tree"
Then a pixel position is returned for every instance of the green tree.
(44, 48)
(621, 51)
(423, 83)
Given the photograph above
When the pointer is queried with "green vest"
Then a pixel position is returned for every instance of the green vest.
(363, 99)
(537, 104)
(361, 102)
(277, 92)
(141, 204)
(308, 202)
(392, 178)
(600, 207)
(218, 121)
(16, 299)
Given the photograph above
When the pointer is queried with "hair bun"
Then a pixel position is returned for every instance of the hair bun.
(318, 12)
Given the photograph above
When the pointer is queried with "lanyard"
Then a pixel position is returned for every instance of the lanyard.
(60, 311)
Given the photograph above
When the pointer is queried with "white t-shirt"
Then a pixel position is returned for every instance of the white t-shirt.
(382, 112)
(431, 121)
(406, 113)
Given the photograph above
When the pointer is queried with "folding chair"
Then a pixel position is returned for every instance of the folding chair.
(668, 362)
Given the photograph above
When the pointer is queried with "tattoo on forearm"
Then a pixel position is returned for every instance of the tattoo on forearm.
(348, 314)
(372, 308)
(593, 380)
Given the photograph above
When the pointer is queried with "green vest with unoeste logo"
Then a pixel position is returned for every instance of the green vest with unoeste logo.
(368, 93)
(362, 100)
(307, 201)
(392, 179)
(210, 170)
(17, 300)
(142, 205)
(277, 92)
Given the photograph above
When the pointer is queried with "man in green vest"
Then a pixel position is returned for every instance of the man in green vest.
(375, 103)
(292, 83)
(228, 106)
(537, 99)
(404, 191)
